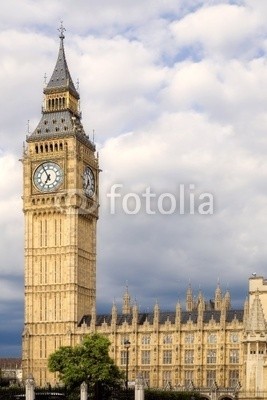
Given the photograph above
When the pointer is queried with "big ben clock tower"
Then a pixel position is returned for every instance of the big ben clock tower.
(60, 204)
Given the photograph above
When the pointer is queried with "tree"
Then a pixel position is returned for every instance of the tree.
(88, 361)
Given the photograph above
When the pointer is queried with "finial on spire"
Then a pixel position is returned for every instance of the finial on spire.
(78, 85)
(61, 30)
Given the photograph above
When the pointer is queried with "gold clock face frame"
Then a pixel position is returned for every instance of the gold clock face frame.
(48, 176)
(88, 182)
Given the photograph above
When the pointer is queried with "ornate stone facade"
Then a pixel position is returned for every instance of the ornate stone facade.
(209, 346)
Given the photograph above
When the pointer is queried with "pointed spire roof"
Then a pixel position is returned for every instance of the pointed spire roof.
(256, 321)
(61, 77)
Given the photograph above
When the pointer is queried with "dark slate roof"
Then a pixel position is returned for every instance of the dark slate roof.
(61, 78)
(58, 124)
(232, 314)
(165, 316)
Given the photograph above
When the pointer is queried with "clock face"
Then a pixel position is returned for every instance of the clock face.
(48, 176)
(88, 182)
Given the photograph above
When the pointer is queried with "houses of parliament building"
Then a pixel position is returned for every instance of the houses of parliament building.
(207, 346)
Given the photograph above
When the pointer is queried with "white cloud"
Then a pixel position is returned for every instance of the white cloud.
(222, 30)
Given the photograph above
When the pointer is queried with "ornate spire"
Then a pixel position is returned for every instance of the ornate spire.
(189, 298)
(218, 297)
(227, 298)
(256, 321)
(61, 30)
(61, 78)
(61, 110)
(126, 307)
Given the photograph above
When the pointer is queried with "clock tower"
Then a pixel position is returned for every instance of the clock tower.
(60, 204)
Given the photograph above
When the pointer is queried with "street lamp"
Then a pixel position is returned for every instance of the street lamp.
(127, 345)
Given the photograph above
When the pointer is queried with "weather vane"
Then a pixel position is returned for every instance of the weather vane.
(61, 30)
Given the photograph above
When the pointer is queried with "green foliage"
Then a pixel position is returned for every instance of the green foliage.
(88, 362)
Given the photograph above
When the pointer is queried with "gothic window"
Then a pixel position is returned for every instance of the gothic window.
(145, 357)
(45, 234)
(40, 233)
(166, 377)
(167, 357)
(189, 375)
(212, 338)
(211, 377)
(234, 356)
(167, 339)
(123, 357)
(189, 357)
(189, 338)
(233, 377)
(211, 356)
(146, 377)
(146, 339)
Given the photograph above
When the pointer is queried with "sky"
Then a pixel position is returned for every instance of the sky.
(174, 94)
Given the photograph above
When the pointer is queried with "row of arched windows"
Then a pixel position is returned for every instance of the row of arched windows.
(48, 200)
(56, 104)
(49, 147)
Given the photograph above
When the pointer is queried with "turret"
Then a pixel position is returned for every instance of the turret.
(126, 306)
(218, 297)
(189, 298)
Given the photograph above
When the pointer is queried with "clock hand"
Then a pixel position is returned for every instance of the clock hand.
(48, 178)
(45, 171)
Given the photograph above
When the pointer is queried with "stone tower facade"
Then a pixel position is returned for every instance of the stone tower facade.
(60, 204)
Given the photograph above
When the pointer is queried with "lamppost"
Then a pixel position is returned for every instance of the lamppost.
(127, 345)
